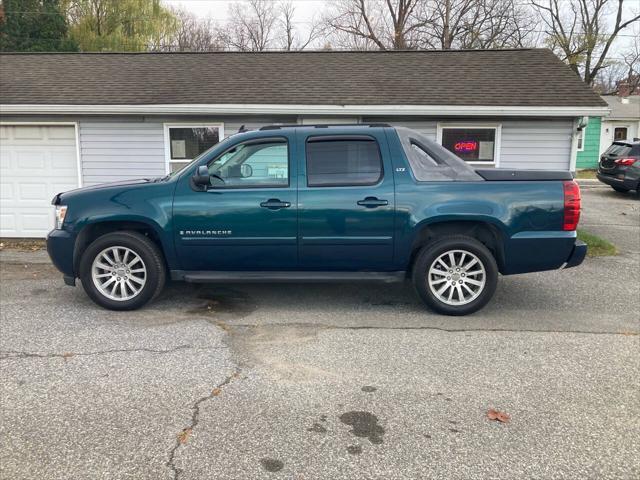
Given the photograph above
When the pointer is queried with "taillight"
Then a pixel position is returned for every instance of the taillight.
(625, 161)
(571, 205)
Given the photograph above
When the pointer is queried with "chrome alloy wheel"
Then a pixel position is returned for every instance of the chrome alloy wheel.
(456, 277)
(118, 273)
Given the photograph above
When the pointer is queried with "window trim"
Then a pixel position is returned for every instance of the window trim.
(481, 126)
(253, 187)
(341, 138)
(580, 145)
(167, 139)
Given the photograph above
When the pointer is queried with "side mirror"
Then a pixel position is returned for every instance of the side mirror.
(201, 176)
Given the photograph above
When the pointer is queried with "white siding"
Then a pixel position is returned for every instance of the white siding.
(536, 144)
(112, 151)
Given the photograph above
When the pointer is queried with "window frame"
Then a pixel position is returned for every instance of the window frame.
(580, 136)
(167, 140)
(341, 138)
(478, 126)
(281, 139)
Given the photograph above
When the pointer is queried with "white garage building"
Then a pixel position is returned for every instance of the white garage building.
(69, 120)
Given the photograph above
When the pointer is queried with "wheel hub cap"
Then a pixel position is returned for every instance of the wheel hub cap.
(119, 273)
(456, 277)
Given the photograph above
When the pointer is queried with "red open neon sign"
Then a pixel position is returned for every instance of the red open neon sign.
(468, 146)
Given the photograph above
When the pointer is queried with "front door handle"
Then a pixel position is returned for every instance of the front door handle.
(275, 204)
(372, 202)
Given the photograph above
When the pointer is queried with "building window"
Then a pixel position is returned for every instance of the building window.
(580, 140)
(333, 162)
(620, 133)
(475, 144)
(186, 142)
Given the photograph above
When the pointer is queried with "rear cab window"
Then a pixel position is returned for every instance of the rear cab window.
(343, 160)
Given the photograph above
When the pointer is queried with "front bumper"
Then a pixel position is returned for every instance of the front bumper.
(60, 245)
(577, 255)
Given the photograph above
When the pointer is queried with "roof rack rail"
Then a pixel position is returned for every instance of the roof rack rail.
(325, 125)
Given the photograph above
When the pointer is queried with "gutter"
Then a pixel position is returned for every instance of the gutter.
(283, 109)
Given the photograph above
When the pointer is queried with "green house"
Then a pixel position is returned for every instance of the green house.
(589, 144)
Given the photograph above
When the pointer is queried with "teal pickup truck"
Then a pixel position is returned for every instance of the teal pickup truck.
(293, 203)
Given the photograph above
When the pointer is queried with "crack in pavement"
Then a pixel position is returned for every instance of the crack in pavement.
(182, 437)
(7, 354)
(440, 329)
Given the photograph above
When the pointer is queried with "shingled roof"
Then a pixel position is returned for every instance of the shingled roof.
(520, 77)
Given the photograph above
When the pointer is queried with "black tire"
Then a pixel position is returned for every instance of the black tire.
(431, 252)
(620, 189)
(145, 249)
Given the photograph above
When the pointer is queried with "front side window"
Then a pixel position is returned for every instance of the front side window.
(471, 144)
(257, 163)
(333, 161)
(187, 142)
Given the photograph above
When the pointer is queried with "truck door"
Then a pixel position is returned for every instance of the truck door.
(345, 201)
(247, 218)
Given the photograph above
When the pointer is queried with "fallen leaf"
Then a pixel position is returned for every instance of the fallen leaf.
(216, 392)
(183, 436)
(497, 415)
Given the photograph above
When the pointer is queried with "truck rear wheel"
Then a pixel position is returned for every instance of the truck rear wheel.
(122, 270)
(455, 275)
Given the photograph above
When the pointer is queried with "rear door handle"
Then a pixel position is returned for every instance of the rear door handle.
(275, 204)
(372, 202)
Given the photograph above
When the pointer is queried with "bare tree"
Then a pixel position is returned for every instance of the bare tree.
(382, 24)
(251, 26)
(193, 34)
(441, 24)
(581, 31)
(292, 38)
(479, 24)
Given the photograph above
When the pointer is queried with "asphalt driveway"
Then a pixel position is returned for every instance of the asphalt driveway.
(328, 381)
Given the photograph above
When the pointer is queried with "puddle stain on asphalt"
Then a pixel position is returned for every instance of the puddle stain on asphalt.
(223, 303)
(317, 428)
(271, 464)
(354, 449)
(364, 425)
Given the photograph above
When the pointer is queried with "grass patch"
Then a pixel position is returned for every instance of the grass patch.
(598, 247)
(586, 173)
(22, 244)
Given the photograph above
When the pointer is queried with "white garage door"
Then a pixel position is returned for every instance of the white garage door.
(36, 162)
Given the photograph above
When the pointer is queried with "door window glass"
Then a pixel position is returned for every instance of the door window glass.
(262, 163)
(343, 162)
(620, 133)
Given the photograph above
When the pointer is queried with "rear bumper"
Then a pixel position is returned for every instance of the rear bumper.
(617, 182)
(60, 244)
(577, 255)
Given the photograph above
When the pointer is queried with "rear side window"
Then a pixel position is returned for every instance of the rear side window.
(349, 161)
(618, 149)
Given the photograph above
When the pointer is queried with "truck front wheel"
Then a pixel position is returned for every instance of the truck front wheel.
(455, 275)
(122, 270)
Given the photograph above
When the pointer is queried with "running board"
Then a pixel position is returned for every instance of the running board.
(285, 277)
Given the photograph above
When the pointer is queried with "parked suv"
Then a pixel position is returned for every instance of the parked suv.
(319, 203)
(619, 166)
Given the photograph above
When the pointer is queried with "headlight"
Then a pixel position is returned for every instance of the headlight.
(61, 212)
